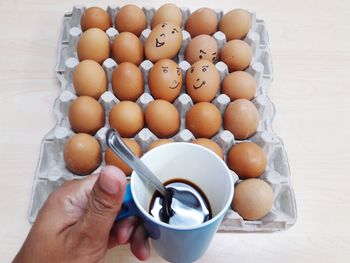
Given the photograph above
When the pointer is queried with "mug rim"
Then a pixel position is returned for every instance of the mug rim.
(213, 219)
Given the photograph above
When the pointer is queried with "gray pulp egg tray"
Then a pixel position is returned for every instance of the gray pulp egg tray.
(51, 171)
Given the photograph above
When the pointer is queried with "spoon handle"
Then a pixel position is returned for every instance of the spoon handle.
(115, 142)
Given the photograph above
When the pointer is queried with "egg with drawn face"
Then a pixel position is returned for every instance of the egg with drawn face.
(201, 47)
(164, 41)
(165, 80)
(202, 81)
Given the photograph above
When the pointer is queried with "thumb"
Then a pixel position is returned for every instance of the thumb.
(104, 204)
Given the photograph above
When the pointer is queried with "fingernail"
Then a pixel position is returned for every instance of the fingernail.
(129, 230)
(109, 183)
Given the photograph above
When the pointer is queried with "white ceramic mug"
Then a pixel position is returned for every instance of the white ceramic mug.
(199, 166)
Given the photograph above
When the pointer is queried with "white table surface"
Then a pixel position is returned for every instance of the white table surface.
(310, 43)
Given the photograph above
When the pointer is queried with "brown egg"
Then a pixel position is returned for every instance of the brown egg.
(203, 120)
(211, 145)
(164, 41)
(167, 13)
(236, 54)
(202, 21)
(162, 118)
(157, 143)
(165, 80)
(82, 154)
(201, 47)
(130, 18)
(247, 160)
(202, 81)
(241, 118)
(86, 115)
(93, 44)
(112, 159)
(127, 47)
(127, 118)
(239, 85)
(253, 199)
(89, 79)
(95, 17)
(235, 24)
(127, 82)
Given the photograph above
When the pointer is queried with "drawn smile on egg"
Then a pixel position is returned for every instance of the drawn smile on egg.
(202, 84)
(159, 44)
(177, 84)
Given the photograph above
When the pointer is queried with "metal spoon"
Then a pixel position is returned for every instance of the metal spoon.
(185, 196)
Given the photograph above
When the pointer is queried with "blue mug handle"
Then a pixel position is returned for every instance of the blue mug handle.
(129, 207)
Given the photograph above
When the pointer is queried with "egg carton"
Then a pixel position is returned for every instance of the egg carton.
(51, 171)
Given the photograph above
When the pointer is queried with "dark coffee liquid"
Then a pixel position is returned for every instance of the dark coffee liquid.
(173, 212)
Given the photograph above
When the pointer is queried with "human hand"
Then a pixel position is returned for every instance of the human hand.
(77, 223)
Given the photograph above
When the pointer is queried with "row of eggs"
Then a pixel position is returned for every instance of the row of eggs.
(165, 79)
(83, 155)
(235, 24)
(253, 197)
(127, 47)
(162, 118)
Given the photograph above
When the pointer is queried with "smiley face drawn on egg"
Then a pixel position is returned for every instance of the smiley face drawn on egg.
(201, 47)
(202, 81)
(174, 83)
(165, 80)
(164, 41)
(162, 36)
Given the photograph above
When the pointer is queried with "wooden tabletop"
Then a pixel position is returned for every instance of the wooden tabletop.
(310, 43)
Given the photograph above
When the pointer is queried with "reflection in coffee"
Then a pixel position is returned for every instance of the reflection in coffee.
(180, 214)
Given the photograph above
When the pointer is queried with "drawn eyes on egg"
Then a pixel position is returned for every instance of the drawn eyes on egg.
(200, 53)
(165, 69)
(214, 56)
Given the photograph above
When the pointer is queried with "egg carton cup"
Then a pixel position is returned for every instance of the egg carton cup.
(51, 171)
